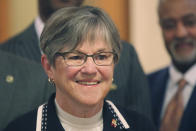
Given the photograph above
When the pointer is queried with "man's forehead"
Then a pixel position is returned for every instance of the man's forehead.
(163, 1)
(176, 8)
(169, 3)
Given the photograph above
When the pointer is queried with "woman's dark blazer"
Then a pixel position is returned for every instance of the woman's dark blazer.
(115, 118)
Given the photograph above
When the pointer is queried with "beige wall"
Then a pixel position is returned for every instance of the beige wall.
(146, 34)
(22, 13)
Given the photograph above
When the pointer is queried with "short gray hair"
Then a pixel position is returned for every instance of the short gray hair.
(70, 26)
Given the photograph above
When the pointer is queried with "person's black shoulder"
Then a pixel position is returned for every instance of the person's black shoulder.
(128, 48)
(154, 78)
(26, 122)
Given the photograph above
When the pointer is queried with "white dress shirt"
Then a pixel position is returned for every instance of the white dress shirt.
(172, 85)
(39, 26)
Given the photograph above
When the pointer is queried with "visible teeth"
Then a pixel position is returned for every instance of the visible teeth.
(87, 83)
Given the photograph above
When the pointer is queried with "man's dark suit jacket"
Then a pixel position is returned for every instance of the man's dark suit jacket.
(23, 86)
(132, 91)
(157, 82)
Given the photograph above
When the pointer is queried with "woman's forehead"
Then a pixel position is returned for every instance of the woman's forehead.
(95, 45)
(97, 33)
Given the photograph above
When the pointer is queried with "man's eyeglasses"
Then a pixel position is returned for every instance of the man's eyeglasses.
(78, 58)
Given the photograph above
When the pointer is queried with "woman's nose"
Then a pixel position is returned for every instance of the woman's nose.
(89, 66)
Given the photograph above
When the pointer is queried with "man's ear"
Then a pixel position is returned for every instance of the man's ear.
(46, 65)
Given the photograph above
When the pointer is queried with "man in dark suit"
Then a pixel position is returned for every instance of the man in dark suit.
(129, 78)
(23, 86)
(178, 23)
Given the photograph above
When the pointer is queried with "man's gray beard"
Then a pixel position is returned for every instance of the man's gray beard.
(183, 59)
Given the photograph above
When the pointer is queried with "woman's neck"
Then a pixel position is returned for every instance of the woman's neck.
(78, 109)
(70, 122)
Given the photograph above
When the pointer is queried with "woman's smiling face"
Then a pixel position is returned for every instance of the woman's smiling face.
(87, 84)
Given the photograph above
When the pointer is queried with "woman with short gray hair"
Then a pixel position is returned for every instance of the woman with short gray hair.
(81, 47)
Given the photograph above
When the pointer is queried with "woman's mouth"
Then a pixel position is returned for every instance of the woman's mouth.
(88, 83)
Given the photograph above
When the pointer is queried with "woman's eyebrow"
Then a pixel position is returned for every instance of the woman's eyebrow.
(99, 50)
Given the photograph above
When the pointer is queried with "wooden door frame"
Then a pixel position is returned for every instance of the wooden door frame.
(4, 15)
(118, 11)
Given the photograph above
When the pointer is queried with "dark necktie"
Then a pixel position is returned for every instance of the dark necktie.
(174, 110)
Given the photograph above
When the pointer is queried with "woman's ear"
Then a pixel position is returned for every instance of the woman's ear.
(46, 65)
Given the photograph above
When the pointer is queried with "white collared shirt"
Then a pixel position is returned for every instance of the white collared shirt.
(39, 26)
(172, 85)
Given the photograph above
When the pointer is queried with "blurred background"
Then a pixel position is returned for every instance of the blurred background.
(136, 20)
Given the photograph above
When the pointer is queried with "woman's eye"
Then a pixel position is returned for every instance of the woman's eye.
(101, 57)
(76, 57)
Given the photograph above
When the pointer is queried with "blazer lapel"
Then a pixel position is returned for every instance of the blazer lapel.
(110, 119)
(188, 121)
(7, 86)
(158, 95)
(53, 123)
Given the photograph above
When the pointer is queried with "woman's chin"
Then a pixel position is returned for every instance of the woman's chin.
(91, 101)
